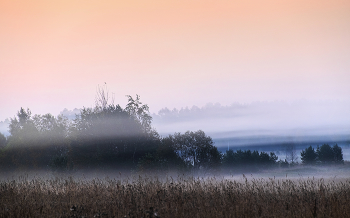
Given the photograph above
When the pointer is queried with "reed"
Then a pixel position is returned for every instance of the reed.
(150, 196)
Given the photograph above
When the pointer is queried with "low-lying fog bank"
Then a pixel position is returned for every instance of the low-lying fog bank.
(300, 118)
(332, 172)
(305, 172)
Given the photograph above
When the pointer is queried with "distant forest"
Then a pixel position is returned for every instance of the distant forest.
(111, 137)
(337, 110)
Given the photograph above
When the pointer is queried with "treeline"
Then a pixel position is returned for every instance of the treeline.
(248, 159)
(104, 137)
(323, 154)
(111, 137)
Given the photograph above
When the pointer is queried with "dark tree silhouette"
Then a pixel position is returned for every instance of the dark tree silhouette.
(35, 140)
(2, 140)
(325, 153)
(110, 136)
(196, 149)
(338, 154)
(308, 156)
(248, 160)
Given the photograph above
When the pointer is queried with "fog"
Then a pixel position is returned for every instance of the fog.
(300, 118)
(329, 173)
(278, 119)
(258, 123)
(4, 127)
(262, 126)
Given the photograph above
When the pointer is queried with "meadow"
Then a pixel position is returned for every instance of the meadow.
(174, 196)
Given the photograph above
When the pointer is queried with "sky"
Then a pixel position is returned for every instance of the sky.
(54, 54)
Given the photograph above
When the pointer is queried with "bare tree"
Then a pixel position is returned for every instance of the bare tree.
(102, 97)
(291, 154)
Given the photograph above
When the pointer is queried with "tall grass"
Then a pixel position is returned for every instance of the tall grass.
(174, 197)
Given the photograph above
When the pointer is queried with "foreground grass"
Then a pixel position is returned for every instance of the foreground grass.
(180, 197)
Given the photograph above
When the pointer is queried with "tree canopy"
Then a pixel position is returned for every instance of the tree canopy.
(309, 156)
(248, 159)
(323, 154)
(196, 149)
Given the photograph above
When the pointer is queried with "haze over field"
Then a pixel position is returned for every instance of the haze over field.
(279, 118)
(174, 54)
(302, 118)
(274, 71)
(216, 108)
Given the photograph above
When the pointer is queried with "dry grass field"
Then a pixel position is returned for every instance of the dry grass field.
(151, 196)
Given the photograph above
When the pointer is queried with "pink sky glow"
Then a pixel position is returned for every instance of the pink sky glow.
(54, 53)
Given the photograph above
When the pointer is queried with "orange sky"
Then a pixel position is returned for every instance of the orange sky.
(53, 54)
